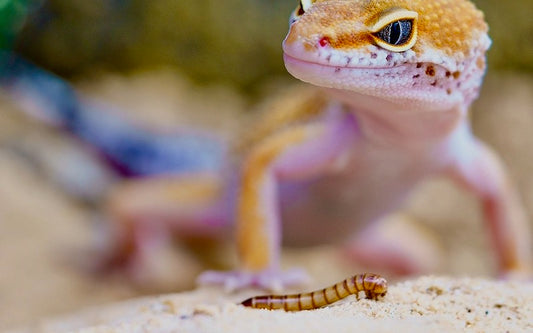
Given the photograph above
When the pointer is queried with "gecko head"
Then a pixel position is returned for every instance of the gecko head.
(417, 54)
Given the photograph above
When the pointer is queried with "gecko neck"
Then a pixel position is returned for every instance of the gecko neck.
(384, 121)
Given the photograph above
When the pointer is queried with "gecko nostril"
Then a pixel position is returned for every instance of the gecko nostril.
(324, 41)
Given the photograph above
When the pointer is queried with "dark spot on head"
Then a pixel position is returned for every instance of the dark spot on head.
(434, 83)
(337, 69)
(456, 74)
(373, 56)
(419, 65)
(416, 76)
(449, 91)
(448, 74)
(430, 71)
(328, 58)
(389, 57)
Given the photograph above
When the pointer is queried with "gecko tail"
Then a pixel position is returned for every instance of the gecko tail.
(41, 94)
(129, 149)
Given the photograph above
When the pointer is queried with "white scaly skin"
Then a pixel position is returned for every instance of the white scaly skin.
(400, 112)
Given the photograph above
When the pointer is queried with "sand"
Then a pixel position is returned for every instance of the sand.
(427, 304)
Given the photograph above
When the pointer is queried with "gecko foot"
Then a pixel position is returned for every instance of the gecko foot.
(522, 273)
(273, 280)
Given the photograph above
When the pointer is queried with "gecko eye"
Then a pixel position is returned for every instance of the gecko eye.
(305, 5)
(396, 31)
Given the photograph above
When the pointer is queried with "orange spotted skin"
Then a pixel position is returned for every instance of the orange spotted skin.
(451, 26)
(373, 285)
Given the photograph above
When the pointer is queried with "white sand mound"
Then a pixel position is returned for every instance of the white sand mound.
(428, 304)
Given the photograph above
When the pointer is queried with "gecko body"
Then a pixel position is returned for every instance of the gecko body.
(393, 81)
(398, 78)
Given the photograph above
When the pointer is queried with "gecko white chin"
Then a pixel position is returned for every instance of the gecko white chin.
(394, 84)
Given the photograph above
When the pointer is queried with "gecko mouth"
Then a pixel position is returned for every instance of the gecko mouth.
(295, 61)
(289, 59)
(353, 78)
(420, 83)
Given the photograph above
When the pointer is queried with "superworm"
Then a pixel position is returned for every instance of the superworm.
(373, 285)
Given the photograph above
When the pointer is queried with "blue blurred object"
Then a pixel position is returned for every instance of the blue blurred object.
(131, 150)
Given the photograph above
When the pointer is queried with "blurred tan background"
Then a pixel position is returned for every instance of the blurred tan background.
(205, 63)
(235, 42)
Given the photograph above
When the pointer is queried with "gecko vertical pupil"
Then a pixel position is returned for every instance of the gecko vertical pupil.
(397, 32)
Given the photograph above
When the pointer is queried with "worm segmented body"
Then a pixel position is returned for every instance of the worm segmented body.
(372, 284)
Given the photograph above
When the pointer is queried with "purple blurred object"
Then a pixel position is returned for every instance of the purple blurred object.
(130, 150)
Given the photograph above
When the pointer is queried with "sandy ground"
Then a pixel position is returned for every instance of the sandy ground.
(43, 232)
(427, 304)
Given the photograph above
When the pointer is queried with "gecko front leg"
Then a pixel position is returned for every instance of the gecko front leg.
(295, 153)
(478, 169)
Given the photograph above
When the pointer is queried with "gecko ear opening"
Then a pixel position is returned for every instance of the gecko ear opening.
(396, 30)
